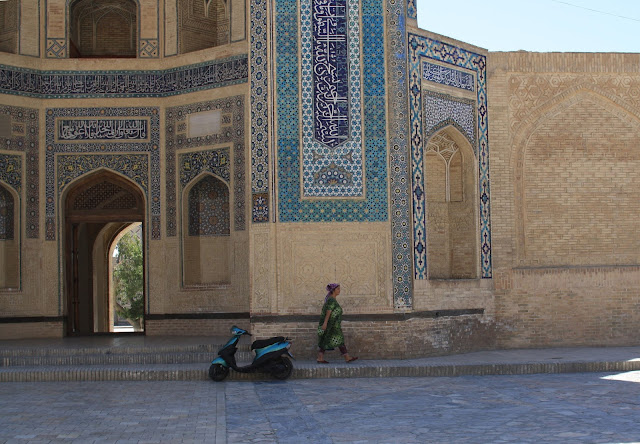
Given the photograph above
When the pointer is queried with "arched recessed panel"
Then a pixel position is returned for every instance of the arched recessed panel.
(209, 208)
(6, 214)
(103, 29)
(202, 24)
(9, 240)
(450, 191)
(206, 242)
(9, 26)
(578, 184)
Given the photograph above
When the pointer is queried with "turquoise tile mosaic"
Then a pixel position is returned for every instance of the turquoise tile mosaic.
(438, 111)
(341, 177)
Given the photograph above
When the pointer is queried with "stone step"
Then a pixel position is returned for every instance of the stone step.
(307, 369)
(39, 351)
(116, 358)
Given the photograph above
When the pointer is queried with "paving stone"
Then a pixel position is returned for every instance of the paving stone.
(541, 408)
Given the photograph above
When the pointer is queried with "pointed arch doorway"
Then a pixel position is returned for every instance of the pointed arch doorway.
(98, 209)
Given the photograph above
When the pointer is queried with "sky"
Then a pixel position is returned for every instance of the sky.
(536, 25)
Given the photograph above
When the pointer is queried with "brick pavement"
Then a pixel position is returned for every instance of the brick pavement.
(541, 408)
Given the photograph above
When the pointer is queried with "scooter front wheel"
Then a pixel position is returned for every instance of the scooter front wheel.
(218, 372)
(283, 369)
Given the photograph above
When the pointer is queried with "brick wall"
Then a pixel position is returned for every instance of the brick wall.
(411, 338)
(565, 153)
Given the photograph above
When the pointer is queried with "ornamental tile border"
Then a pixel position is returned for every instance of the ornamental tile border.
(24, 138)
(177, 141)
(399, 182)
(292, 207)
(420, 49)
(66, 161)
(260, 114)
(86, 84)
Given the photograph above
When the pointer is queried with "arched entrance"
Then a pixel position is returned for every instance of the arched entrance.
(97, 209)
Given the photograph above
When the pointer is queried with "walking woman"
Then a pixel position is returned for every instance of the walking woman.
(330, 326)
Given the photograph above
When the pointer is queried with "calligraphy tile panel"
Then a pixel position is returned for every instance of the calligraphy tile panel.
(331, 98)
(422, 49)
(94, 142)
(351, 175)
(82, 84)
(448, 76)
(24, 138)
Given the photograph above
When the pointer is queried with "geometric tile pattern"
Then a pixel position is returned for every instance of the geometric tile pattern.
(56, 48)
(399, 177)
(67, 159)
(260, 113)
(412, 10)
(25, 133)
(209, 208)
(162, 83)
(187, 157)
(369, 83)
(420, 49)
(11, 171)
(148, 48)
(331, 99)
(440, 110)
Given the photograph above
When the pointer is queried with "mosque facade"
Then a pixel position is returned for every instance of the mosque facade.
(464, 199)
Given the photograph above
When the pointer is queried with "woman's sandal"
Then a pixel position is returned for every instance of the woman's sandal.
(352, 359)
(323, 362)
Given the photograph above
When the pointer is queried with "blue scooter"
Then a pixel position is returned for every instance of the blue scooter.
(271, 357)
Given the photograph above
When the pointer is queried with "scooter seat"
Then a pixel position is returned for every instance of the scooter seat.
(262, 343)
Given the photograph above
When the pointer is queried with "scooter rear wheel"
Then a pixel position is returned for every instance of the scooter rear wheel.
(283, 369)
(218, 372)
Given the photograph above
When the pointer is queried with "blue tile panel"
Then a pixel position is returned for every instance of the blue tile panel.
(260, 114)
(422, 49)
(66, 160)
(25, 133)
(332, 157)
(81, 84)
(200, 158)
(323, 164)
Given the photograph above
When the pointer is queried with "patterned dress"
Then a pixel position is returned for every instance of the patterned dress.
(332, 337)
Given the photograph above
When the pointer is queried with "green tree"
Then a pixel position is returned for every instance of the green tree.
(128, 280)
